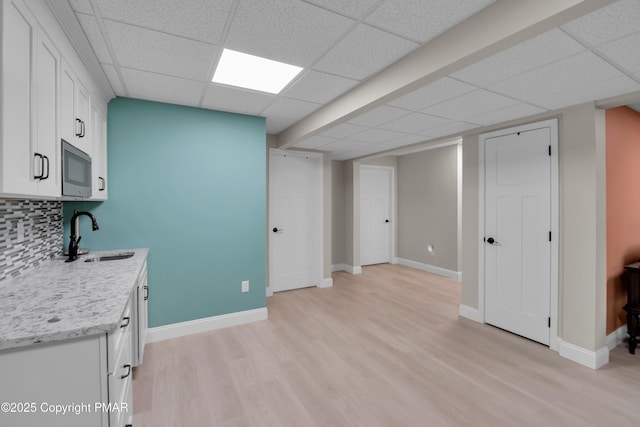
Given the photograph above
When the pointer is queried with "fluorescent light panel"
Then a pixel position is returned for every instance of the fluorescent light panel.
(253, 72)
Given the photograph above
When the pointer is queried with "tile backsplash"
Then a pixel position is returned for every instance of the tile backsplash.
(42, 224)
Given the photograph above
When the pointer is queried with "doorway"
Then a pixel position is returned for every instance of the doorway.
(376, 214)
(295, 220)
(518, 230)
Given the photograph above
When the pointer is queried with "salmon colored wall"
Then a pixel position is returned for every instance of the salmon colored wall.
(623, 206)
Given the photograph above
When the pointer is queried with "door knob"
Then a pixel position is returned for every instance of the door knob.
(386, 220)
(491, 241)
(276, 229)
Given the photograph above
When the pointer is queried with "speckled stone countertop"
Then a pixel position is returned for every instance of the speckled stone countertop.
(88, 298)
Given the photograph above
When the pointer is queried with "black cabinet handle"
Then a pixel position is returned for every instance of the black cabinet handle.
(83, 129)
(126, 319)
(128, 371)
(41, 166)
(102, 184)
(492, 241)
(386, 221)
(47, 175)
(146, 292)
(78, 127)
(277, 230)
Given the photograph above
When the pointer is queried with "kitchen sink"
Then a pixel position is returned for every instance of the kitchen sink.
(113, 257)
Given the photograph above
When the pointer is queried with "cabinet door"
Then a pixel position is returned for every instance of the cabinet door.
(47, 72)
(83, 106)
(99, 157)
(68, 124)
(18, 164)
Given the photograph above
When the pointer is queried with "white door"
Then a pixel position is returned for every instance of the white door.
(295, 220)
(517, 233)
(375, 214)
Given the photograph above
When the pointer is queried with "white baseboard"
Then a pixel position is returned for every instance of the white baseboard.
(190, 327)
(346, 267)
(339, 267)
(590, 359)
(327, 282)
(616, 337)
(470, 313)
(456, 275)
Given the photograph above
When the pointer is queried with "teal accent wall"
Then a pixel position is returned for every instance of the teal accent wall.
(190, 184)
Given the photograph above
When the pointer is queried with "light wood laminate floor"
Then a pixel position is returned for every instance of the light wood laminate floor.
(384, 348)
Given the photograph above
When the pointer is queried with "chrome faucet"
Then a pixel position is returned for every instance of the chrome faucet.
(74, 242)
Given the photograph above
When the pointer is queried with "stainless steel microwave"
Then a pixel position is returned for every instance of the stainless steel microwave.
(76, 171)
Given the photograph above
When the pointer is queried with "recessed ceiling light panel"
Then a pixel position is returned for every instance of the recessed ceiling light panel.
(253, 72)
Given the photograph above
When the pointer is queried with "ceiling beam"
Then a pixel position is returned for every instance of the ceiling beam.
(503, 24)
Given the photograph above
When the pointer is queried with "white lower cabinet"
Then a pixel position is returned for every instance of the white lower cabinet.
(83, 382)
(141, 302)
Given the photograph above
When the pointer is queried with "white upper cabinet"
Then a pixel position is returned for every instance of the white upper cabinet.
(30, 70)
(99, 157)
(44, 98)
(47, 72)
(74, 110)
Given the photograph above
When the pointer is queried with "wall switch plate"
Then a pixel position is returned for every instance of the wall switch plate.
(430, 249)
(245, 286)
(20, 231)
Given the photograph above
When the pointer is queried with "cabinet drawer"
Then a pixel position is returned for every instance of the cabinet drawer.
(118, 338)
(122, 405)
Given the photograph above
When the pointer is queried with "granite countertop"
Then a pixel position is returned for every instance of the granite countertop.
(88, 298)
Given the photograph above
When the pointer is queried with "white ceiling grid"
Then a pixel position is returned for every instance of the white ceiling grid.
(166, 50)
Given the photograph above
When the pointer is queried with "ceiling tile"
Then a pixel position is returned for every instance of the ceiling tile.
(363, 52)
(352, 8)
(580, 70)
(537, 52)
(162, 88)
(453, 128)
(90, 26)
(378, 116)
(505, 114)
(431, 94)
(161, 53)
(414, 122)
(290, 108)
(112, 75)
(422, 20)
(201, 20)
(406, 140)
(82, 6)
(343, 130)
(607, 24)
(593, 91)
(470, 104)
(225, 98)
(315, 142)
(376, 135)
(319, 87)
(625, 52)
(345, 145)
(290, 31)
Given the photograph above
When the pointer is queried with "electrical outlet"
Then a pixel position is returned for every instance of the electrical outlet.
(430, 249)
(20, 231)
(245, 286)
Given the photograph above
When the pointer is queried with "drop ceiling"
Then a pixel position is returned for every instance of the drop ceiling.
(167, 50)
